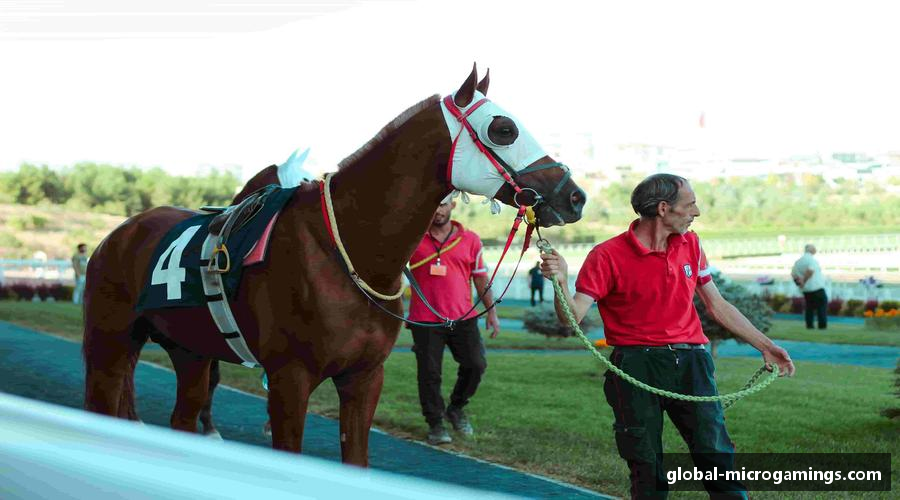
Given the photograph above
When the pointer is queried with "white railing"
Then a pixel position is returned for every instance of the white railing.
(49, 451)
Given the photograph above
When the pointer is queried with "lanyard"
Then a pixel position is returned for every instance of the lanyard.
(439, 248)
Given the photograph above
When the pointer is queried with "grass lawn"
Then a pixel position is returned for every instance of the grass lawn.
(837, 333)
(64, 319)
(545, 413)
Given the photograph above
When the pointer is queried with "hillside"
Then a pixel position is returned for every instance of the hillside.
(53, 229)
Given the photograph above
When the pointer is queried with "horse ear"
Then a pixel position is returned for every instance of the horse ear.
(483, 84)
(466, 92)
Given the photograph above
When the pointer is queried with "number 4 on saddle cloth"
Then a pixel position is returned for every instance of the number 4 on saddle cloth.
(179, 275)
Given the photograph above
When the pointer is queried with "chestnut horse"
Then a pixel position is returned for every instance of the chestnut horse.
(303, 316)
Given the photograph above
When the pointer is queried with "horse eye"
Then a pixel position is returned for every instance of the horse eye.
(503, 131)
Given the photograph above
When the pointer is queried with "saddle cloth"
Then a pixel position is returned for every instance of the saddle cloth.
(174, 277)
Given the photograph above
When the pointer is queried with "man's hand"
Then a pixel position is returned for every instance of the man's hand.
(555, 265)
(777, 355)
(492, 323)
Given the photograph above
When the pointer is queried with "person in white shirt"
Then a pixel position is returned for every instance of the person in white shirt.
(808, 276)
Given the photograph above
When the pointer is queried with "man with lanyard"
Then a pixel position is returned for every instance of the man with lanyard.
(444, 264)
(643, 282)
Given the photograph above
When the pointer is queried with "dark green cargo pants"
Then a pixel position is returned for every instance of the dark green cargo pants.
(639, 420)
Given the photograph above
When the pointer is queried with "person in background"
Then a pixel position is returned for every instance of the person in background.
(445, 264)
(79, 264)
(537, 282)
(808, 276)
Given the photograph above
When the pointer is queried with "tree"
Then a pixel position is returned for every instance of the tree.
(752, 306)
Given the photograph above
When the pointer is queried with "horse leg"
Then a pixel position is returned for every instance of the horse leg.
(359, 393)
(289, 390)
(192, 372)
(111, 347)
(209, 428)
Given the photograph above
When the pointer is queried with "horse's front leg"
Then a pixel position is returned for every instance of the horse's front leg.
(359, 393)
(289, 390)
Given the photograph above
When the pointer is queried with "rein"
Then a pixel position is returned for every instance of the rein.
(331, 224)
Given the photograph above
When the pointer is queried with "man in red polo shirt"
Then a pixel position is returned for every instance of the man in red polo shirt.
(446, 262)
(643, 282)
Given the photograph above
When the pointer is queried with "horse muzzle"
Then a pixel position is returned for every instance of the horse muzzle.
(564, 208)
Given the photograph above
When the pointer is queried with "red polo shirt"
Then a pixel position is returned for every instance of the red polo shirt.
(646, 297)
(451, 294)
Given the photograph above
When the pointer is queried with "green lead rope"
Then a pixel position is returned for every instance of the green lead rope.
(726, 399)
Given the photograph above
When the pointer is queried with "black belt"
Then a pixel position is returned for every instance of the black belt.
(672, 347)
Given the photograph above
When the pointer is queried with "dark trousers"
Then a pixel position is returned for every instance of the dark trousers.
(639, 418)
(816, 302)
(539, 291)
(464, 341)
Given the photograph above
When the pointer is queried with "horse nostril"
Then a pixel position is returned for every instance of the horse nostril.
(577, 198)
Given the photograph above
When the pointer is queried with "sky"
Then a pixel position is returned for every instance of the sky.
(196, 85)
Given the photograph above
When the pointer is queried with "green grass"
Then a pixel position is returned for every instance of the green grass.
(837, 333)
(545, 413)
(64, 319)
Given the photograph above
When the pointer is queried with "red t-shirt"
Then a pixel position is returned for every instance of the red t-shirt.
(450, 294)
(645, 297)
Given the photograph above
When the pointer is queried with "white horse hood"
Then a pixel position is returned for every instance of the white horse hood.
(472, 171)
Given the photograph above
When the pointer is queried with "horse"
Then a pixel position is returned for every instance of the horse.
(325, 302)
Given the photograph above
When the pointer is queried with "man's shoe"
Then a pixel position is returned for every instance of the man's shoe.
(460, 422)
(437, 434)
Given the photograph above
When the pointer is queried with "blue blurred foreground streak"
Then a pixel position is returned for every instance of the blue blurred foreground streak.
(49, 451)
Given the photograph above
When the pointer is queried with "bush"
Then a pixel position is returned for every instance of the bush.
(887, 305)
(854, 307)
(5, 293)
(42, 291)
(797, 305)
(22, 291)
(870, 305)
(752, 306)
(835, 306)
(544, 321)
(60, 292)
(778, 300)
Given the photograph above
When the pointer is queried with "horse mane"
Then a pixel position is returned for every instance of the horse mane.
(388, 129)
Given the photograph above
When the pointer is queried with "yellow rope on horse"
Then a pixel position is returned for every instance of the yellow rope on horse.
(329, 208)
(727, 399)
(435, 254)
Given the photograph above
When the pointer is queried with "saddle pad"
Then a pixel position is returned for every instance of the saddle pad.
(174, 270)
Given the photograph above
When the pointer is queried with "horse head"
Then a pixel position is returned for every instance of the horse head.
(495, 156)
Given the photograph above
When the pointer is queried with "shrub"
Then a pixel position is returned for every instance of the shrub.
(5, 292)
(835, 306)
(22, 291)
(786, 307)
(887, 305)
(42, 291)
(797, 304)
(854, 307)
(544, 321)
(778, 300)
(752, 306)
(870, 305)
(60, 292)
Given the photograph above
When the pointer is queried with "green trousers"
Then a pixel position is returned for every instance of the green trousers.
(639, 421)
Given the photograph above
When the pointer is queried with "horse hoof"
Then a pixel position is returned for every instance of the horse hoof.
(214, 435)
